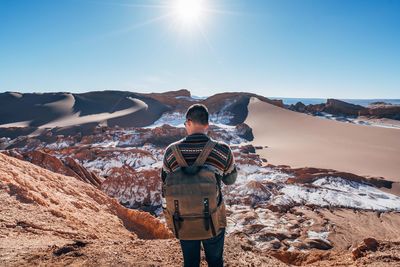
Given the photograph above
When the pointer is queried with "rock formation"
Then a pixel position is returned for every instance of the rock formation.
(341, 108)
(66, 166)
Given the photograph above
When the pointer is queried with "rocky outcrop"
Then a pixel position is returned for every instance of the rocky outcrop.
(368, 244)
(382, 111)
(309, 175)
(66, 166)
(76, 209)
(342, 108)
(332, 106)
(243, 130)
(164, 135)
(135, 189)
(338, 107)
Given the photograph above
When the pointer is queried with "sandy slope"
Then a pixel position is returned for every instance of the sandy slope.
(299, 140)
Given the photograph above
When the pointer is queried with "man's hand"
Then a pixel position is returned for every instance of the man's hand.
(230, 178)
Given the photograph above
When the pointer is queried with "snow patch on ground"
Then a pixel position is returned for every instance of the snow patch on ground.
(103, 165)
(318, 235)
(337, 192)
(177, 119)
(267, 185)
(385, 123)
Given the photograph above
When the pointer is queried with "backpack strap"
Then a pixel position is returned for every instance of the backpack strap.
(204, 153)
(178, 156)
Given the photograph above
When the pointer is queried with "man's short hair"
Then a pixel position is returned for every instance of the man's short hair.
(197, 113)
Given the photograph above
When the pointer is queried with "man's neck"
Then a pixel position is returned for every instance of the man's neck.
(198, 132)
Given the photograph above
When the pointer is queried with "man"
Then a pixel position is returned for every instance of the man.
(221, 161)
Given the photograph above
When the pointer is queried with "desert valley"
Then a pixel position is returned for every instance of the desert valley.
(318, 185)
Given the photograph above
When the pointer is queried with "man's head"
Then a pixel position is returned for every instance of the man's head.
(196, 119)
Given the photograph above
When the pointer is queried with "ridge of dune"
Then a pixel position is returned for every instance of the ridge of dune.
(301, 140)
(75, 118)
(65, 104)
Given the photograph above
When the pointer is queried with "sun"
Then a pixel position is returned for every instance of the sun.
(188, 12)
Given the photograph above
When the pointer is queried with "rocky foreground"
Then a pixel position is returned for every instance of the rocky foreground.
(52, 219)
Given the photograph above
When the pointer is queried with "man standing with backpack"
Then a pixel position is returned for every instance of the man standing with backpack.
(192, 171)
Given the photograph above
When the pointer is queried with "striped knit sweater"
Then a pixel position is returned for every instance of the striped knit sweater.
(221, 157)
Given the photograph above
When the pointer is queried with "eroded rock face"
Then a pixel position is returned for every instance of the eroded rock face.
(134, 189)
(66, 166)
(165, 135)
(74, 208)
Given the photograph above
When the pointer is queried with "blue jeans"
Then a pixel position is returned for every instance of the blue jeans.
(213, 248)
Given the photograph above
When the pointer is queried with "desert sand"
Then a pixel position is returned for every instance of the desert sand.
(301, 140)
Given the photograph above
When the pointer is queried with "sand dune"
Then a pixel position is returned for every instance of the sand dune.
(48, 110)
(76, 119)
(66, 104)
(300, 140)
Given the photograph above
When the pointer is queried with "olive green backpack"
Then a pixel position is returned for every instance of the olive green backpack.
(195, 209)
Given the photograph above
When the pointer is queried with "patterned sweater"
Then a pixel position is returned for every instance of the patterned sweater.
(221, 157)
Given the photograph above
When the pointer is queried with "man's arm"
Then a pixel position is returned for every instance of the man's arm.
(165, 167)
(230, 172)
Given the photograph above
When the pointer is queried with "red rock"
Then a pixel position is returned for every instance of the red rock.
(368, 244)
(67, 167)
(134, 189)
(84, 210)
(82, 173)
(371, 243)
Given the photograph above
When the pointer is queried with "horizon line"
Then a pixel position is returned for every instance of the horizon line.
(202, 96)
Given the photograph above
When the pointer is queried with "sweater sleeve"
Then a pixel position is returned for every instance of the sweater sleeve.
(230, 172)
(165, 167)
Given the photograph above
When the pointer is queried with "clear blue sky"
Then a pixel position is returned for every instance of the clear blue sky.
(310, 48)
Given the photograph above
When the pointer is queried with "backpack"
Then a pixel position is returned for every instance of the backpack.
(195, 209)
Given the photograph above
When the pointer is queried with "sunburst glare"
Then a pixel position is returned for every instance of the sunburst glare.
(188, 13)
